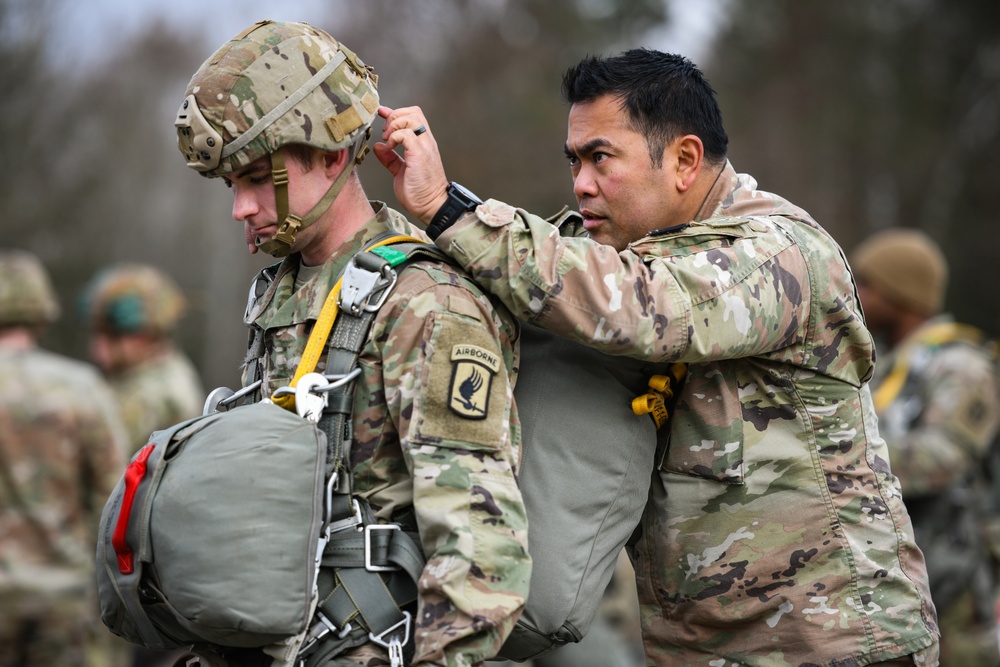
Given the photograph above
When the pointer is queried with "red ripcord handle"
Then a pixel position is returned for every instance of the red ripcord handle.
(134, 474)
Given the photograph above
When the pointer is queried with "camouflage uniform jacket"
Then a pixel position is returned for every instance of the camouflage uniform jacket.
(157, 394)
(775, 532)
(938, 405)
(62, 450)
(411, 451)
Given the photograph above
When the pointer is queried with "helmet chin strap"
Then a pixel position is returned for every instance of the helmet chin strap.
(280, 244)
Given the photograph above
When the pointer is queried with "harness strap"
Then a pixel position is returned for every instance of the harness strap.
(368, 571)
(395, 549)
(321, 330)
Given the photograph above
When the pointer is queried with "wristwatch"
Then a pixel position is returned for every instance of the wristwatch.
(460, 201)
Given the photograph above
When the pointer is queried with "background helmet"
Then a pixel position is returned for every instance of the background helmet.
(273, 85)
(133, 298)
(906, 267)
(26, 294)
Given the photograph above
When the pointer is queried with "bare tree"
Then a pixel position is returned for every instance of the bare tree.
(875, 114)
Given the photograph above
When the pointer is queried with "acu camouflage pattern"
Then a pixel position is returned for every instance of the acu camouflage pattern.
(411, 452)
(157, 394)
(775, 533)
(257, 71)
(62, 449)
(938, 404)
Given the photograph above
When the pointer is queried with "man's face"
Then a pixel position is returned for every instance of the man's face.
(621, 195)
(254, 203)
(116, 353)
(880, 313)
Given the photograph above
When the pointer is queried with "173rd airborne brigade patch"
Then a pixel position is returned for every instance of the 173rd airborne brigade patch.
(472, 372)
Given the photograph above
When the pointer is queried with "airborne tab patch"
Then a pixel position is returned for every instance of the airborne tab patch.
(472, 372)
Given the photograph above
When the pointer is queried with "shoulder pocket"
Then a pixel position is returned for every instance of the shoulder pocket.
(696, 237)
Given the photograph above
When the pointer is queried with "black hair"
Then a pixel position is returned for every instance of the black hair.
(664, 94)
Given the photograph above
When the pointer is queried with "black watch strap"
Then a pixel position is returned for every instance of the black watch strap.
(460, 201)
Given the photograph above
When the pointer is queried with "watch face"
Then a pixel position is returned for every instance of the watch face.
(464, 193)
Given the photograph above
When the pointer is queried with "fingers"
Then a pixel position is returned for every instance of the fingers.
(402, 124)
(419, 181)
(389, 158)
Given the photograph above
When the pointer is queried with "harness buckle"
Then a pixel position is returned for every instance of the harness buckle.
(349, 522)
(360, 283)
(371, 567)
(394, 644)
(310, 401)
(321, 628)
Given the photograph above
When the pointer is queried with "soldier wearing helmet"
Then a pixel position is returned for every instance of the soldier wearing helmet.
(26, 295)
(938, 404)
(133, 310)
(62, 447)
(282, 113)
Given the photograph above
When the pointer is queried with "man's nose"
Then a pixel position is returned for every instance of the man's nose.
(244, 205)
(584, 185)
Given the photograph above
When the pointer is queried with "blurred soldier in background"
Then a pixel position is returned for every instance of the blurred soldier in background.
(133, 310)
(62, 449)
(937, 400)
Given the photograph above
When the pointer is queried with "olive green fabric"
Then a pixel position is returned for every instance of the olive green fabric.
(584, 477)
(213, 567)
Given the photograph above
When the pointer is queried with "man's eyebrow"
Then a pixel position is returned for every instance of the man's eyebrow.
(249, 169)
(587, 148)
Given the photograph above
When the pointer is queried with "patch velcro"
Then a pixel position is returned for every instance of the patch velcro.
(463, 391)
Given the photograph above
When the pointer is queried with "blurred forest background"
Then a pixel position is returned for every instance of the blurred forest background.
(867, 114)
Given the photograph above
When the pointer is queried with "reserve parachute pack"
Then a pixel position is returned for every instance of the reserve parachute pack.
(240, 529)
(588, 454)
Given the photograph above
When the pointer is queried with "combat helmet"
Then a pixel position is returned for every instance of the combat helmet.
(273, 85)
(133, 298)
(26, 294)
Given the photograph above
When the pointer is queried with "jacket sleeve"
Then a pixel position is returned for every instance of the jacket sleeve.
(703, 292)
(448, 376)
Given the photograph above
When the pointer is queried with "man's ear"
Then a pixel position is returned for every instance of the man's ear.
(333, 162)
(689, 154)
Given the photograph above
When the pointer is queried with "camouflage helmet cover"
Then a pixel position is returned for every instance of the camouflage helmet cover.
(133, 298)
(272, 85)
(26, 294)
